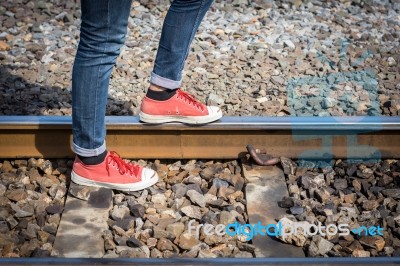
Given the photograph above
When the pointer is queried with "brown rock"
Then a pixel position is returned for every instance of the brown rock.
(43, 236)
(165, 244)
(350, 198)
(6, 167)
(16, 195)
(46, 167)
(4, 46)
(361, 253)
(187, 241)
(355, 245)
(373, 242)
(109, 244)
(160, 233)
(380, 244)
(223, 192)
(154, 218)
(322, 195)
(151, 242)
(176, 229)
(356, 184)
(235, 196)
(155, 253)
(370, 205)
(34, 175)
(207, 173)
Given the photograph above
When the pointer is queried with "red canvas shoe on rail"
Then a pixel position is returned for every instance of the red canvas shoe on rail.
(182, 107)
(114, 173)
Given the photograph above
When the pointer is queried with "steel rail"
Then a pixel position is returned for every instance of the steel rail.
(294, 137)
(227, 122)
(328, 261)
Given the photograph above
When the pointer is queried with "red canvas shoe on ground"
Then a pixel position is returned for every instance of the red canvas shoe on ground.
(182, 107)
(114, 173)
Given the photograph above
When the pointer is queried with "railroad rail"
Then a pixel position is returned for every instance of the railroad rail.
(292, 137)
(338, 137)
(387, 261)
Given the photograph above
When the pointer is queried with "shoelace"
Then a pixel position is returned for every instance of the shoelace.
(190, 98)
(123, 166)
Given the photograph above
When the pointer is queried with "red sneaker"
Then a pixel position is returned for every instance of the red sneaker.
(113, 173)
(182, 107)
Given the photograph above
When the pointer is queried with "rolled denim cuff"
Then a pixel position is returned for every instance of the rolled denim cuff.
(164, 82)
(88, 152)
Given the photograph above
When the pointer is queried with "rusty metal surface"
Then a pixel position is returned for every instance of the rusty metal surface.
(50, 137)
(261, 158)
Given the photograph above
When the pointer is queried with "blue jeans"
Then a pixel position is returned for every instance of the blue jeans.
(103, 31)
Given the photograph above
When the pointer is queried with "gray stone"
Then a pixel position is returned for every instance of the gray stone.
(159, 199)
(56, 208)
(328, 102)
(226, 217)
(296, 210)
(196, 197)
(286, 202)
(218, 183)
(119, 212)
(340, 184)
(80, 192)
(277, 80)
(322, 244)
(322, 195)
(289, 44)
(289, 167)
(133, 242)
(392, 192)
(298, 239)
(180, 190)
(313, 250)
(46, 167)
(214, 99)
(3, 189)
(191, 211)
(137, 210)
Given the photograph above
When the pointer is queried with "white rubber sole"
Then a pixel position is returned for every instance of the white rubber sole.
(123, 187)
(158, 119)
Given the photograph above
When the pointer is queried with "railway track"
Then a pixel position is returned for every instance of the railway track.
(291, 137)
(340, 137)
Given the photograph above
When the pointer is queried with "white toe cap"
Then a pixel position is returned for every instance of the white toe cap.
(147, 174)
(213, 110)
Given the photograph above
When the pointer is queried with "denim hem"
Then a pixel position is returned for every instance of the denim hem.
(164, 82)
(88, 152)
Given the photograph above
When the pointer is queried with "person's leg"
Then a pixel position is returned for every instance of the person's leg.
(179, 28)
(103, 30)
(163, 103)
